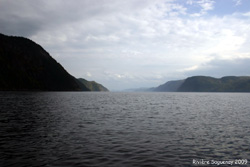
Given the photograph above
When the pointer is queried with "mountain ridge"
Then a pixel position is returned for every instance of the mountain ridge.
(93, 86)
(207, 84)
(170, 86)
(26, 66)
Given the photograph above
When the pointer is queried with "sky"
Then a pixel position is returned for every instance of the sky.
(136, 43)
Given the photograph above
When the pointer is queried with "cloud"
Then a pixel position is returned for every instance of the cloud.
(129, 43)
(88, 74)
(222, 67)
(204, 5)
(237, 2)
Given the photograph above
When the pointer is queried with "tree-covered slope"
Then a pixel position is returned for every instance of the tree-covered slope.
(209, 84)
(92, 85)
(25, 65)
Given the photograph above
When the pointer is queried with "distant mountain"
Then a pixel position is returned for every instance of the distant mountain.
(207, 84)
(25, 65)
(92, 85)
(170, 86)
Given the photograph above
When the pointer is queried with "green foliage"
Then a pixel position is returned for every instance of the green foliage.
(92, 85)
(209, 84)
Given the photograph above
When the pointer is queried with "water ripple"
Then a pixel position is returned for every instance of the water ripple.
(122, 129)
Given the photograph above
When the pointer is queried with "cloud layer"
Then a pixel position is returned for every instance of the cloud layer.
(135, 43)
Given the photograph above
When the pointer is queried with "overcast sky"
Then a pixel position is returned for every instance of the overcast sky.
(136, 43)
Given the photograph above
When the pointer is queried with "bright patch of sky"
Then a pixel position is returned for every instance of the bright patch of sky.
(136, 43)
(231, 6)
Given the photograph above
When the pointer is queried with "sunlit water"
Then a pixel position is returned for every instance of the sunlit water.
(122, 129)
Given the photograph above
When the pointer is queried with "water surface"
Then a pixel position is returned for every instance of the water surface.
(122, 129)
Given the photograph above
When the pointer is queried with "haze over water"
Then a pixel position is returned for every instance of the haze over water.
(122, 129)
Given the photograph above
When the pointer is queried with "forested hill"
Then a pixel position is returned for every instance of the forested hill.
(93, 86)
(207, 84)
(25, 65)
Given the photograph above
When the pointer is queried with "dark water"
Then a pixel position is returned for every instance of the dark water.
(122, 129)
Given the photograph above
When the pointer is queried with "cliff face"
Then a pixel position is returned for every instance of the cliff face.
(25, 65)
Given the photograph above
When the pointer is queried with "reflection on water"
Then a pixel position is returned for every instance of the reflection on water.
(122, 129)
